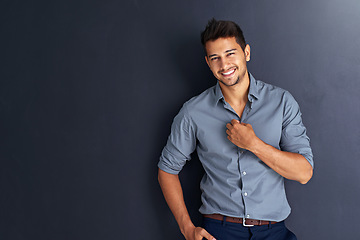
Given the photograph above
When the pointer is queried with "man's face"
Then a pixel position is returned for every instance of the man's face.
(227, 60)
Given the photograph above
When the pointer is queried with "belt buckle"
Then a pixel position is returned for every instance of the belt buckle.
(244, 224)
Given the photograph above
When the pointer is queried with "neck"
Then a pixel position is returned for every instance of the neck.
(238, 93)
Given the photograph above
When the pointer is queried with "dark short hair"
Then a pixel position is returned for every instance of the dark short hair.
(222, 29)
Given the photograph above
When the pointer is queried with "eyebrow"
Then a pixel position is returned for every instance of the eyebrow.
(230, 50)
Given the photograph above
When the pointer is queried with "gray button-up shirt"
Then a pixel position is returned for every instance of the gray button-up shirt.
(237, 183)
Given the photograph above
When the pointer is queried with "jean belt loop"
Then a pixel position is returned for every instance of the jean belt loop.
(270, 225)
(224, 221)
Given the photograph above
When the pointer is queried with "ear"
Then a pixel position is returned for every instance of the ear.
(207, 61)
(247, 52)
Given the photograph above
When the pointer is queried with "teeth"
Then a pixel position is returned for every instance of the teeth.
(229, 72)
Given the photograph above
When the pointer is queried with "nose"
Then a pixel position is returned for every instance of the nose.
(223, 64)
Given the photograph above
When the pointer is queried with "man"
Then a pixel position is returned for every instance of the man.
(248, 135)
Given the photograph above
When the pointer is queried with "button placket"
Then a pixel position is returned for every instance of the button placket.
(246, 111)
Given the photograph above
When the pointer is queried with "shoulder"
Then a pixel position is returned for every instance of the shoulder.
(192, 107)
(269, 91)
(267, 88)
(203, 100)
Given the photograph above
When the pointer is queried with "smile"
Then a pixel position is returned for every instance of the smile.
(228, 73)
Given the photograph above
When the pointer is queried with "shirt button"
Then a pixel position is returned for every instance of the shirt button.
(245, 194)
(244, 173)
(241, 152)
(247, 216)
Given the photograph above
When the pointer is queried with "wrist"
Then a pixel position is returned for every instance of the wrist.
(187, 230)
(256, 145)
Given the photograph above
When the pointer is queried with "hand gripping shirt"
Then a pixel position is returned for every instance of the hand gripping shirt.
(236, 182)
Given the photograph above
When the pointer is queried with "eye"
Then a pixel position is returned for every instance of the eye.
(229, 54)
(214, 58)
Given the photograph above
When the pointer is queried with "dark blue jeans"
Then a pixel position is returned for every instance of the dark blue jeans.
(236, 231)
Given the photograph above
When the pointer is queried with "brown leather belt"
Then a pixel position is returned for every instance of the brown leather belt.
(247, 223)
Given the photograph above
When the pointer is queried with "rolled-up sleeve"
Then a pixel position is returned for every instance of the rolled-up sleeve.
(293, 137)
(180, 144)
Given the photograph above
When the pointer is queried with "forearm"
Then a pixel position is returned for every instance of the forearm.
(290, 165)
(171, 188)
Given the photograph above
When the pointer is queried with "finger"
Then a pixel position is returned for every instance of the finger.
(234, 121)
(206, 235)
(229, 126)
(246, 124)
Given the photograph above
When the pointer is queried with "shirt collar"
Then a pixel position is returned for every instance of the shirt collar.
(218, 93)
(253, 90)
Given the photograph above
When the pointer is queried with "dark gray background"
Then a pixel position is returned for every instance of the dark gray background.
(89, 90)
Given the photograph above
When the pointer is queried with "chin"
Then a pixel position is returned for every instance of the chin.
(230, 83)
